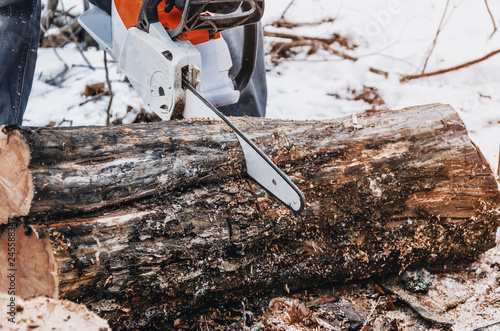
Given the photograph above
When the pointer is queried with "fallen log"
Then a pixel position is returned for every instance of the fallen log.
(144, 222)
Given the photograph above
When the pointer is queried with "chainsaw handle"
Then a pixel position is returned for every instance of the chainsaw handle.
(249, 56)
(232, 16)
(216, 15)
(148, 14)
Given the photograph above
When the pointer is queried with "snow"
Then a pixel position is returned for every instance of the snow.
(394, 36)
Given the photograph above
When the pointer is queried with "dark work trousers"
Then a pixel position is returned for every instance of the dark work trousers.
(19, 35)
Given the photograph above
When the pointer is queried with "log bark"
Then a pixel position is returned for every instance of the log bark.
(143, 223)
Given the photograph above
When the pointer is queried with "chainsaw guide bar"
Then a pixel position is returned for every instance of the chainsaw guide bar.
(259, 166)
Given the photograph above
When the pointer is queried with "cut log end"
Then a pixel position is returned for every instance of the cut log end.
(30, 269)
(16, 183)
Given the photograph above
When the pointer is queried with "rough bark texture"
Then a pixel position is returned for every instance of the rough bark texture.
(146, 222)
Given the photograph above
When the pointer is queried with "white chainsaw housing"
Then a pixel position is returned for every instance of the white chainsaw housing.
(177, 78)
(155, 65)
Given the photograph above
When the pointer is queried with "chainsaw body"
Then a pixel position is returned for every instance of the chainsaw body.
(156, 44)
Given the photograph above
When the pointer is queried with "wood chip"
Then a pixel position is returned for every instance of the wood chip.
(417, 305)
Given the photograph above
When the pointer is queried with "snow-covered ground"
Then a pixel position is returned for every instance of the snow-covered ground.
(394, 36)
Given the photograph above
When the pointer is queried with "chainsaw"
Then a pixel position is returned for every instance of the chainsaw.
(175, 57)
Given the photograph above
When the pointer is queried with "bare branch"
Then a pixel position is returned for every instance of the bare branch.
(75, 40)
(375, 305)
(111, 95)
(296, 37)
(286, 9)
(314, 42)
(379, 72)
(436, 37)
(283, 23)
(492, 18)
(93, 98)
(443, 71)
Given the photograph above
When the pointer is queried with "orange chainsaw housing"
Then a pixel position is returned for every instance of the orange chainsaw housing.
(129, 13)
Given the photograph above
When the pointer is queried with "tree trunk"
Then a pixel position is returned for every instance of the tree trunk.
(145, 222)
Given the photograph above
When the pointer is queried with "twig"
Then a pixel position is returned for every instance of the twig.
(52, 5)
(338, 11)
(108, 111)
(339, 53)
(443, 71)
(47, 18)
(492, 18)
(59, 78)
(299, 41)
(416, 304)
(296, 37)
(444, 271)
(436, 37)
(286, 9)
(75, 40)
(95, 97)
(486, 327)
(379, 72)
(54, 80)
(244, 315)
(280, 47)
(66, 13)
(79, 65)
(281, 23)
(375, 305)
(66, 121)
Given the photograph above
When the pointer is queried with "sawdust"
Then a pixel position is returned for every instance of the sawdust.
(470, 297)
(42, 313)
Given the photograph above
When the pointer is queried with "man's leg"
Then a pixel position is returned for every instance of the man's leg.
(19, 35)
(254, 99)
